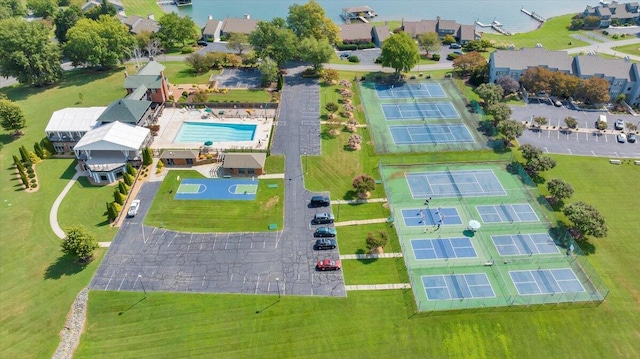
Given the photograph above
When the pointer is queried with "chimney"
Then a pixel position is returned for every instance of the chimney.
(247, 16)
(210, 17)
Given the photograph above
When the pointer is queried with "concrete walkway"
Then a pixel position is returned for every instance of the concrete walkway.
(378, 286)
(365, 221)
(371, 256)
(359, 201)
(53, 213)
(272, 176)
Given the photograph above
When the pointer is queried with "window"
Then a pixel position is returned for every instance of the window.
(59, 148)
(189, 161)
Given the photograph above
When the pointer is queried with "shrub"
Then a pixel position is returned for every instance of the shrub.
(354, 58)
(343, 47)
(367, 45)
(31, 175)
(435, 57)
(186, 50)
(452, 56)
(331, 107)
(33, 180)
(34, 185)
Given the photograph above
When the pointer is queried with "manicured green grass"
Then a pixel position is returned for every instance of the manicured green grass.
(632, 49)
(380, 323)
(553, 35)
(274, 164)
(352, 239)
(216, 216)
(240, 95)
(181, 73)
(142, 8)
(355, 212)
(37, 284)
(373, 271)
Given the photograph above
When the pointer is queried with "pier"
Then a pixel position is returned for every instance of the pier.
(533, 15)
(496, 26)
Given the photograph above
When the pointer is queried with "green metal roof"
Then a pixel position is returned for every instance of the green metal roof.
(125, 110)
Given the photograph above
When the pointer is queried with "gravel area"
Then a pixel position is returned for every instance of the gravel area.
(70, 335)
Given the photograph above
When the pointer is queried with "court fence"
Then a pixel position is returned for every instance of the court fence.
(496, 266)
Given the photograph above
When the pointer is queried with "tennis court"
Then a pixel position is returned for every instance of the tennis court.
(415, 217)
(447, 184)
(524, 244)
(413, 90)
(419, 110)
(457, 286)
(216, 189)
(443, 248)
(546, 281)
(507, 213)
(430, 133)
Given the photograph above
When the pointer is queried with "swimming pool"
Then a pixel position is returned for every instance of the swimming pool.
(216, 132)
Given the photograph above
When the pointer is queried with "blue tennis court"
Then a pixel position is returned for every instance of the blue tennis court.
(220, 189)
(524, 244)
(546, 281)
(507, 213)
(447, 184)
(457, 286)
(430, 133)
(416, 217)
(405, 90)
(443, 248)
(419, 110)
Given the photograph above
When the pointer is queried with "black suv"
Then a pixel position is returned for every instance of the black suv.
(322, 218)
(325, 232)
(325, 243)
(320, 201)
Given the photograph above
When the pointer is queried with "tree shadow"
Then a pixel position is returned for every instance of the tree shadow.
(7, 138)
(350, 195)
(367, 261)
(65, 265)
(69, 171)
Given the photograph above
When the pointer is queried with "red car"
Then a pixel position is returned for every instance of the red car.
(328, 264)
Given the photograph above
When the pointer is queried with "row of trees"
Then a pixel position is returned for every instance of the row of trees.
(593, 90)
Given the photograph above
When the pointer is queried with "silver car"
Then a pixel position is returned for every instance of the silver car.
(133, 208)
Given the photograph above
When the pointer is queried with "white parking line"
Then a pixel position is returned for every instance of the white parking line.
(568, 149)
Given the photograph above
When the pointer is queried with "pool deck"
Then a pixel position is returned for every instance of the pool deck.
(172, 119)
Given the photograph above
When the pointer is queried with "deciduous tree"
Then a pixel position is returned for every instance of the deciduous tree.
(103, 43)
(12, 8)
(79, 243)
(105, 8)
(268, 70)
(429, 41)
(500, 112)
(490, 93)
(274, 40)
(595, 90)
(469, 62)
(198, 62)
(317, 52)
(510, 130)
(27, 53)
(310, 20)
(376, 241)
(508, 84)
(11, 116)
(400, 52)
(536, 79)
(571, 122)
(64, 19)
(238, 42)
(586, 219)
(364, 184)
(43, 8)
(559, 189)
(174, 28)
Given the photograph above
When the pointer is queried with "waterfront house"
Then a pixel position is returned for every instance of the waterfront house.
(238, 25)
(622, 75)
(212, 30)
(515, 63)
(91, 4)
(462, 33)
(138, 25)
(615, 12)
(358, 33)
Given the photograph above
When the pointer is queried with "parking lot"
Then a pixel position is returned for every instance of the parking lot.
(586, 141)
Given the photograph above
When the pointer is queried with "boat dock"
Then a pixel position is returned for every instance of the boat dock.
(496, 26)
(533, 15)
(481, 24)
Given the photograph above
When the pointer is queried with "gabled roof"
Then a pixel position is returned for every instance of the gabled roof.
(239, 25)
(448, 25)
(244, 160)
(382, 32)
(145, 25)
(587, 65)
(125, 110)
(166, 154)
(355, 31)
(151, 68)
(150, 75)
(415, 28)
(138, 94)
(211, 27)
(467, 32)
(115, 136)
(74, 119)
(531, 57)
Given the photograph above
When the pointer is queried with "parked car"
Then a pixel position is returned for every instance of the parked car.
(202, 43)
(325, 243)
(320, 201)
(455, 46)
(619, 125)
(345, 55)
(328, 264)
(459, 53)
(323, 218)
(622, 138)
(557, 103)
(133, 208)
(631, 138)
(325, 232)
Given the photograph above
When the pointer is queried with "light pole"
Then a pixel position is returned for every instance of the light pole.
(142, 284)
(278, 285)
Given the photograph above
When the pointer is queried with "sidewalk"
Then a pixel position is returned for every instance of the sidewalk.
(53, 213)
(365, 221)
(359, 201)
(371, 256)
(378, 286)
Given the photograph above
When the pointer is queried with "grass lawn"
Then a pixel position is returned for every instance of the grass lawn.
(353, 212)
(142, 8)
(378, 324)
(374, 271)
(553, 35)
(632, 49)
(216, 216)
(274, 164)
(37, 284)
(240, 95)
(352, 239)
(181, 73)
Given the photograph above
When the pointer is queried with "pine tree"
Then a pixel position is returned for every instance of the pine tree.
(24, 178)
(18, 164)
(147, 156)
(118, 197)
(48, 145)
(24, 154)
(38, 150)
(112, 213)
(122, 187)
(130, 170)
(128, 179)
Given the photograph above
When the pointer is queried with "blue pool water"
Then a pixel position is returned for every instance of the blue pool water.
(216, 132)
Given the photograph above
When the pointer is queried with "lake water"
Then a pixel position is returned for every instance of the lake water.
(506, 12)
